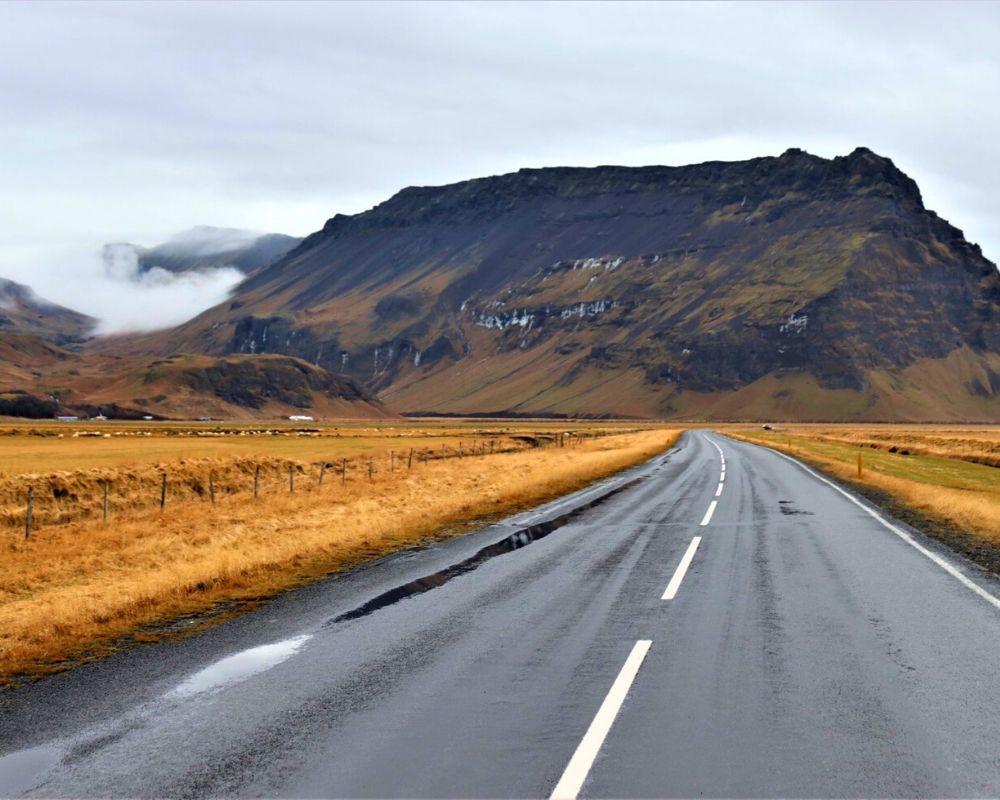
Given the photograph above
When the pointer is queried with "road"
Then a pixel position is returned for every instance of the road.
(724, 623)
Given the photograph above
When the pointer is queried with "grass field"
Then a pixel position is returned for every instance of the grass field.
(78, 586)
(67, 466)
(948, 474)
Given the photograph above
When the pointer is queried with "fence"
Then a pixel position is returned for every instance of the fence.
(87, 495)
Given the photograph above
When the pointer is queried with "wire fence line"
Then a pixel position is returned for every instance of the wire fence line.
(50, 501)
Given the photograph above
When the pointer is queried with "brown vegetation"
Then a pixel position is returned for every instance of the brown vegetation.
(76, 588)
(946, 474)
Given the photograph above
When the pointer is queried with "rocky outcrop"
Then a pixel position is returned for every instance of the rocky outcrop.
(252, 383)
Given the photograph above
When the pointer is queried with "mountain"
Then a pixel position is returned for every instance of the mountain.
(23, 311)
(43, 373)
(39, 379)
(205, 247)
(783, 287)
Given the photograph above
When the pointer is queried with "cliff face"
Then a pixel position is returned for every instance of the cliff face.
(807, 287)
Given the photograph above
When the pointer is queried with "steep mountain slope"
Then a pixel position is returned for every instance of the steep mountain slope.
(23, 311)
(794, 287)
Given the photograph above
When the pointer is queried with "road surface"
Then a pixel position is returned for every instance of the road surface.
(723, 623)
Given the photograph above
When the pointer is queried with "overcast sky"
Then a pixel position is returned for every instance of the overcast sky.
(132, 121)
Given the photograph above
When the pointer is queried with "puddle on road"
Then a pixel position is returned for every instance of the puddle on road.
(25, 769)
(239, 667)
(515, 541)
(788, 509)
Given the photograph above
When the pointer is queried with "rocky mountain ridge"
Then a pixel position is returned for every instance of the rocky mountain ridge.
(207, 247)
(809, 287)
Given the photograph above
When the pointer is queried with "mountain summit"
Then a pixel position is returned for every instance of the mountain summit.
(791, 286)
(206, 247)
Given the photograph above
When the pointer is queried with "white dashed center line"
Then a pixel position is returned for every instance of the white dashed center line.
(708, 514)
(675, 582)
(579, 765)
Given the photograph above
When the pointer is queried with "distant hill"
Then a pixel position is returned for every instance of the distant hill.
(791, 287)
(205, 247)
(42, 374)
(23, 311)
(39, 379)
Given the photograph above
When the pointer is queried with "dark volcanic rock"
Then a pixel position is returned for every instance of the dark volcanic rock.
(704, 278)
(253, 382)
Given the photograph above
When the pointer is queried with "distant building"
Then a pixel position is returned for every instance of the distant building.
(67, 419)
(301, 418)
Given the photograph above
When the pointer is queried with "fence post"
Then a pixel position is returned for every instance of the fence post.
(322, 469)
(460, 453)
(392, 461)
(256, 480)
(860, 465)
(425, 458)
(211, 487)
(30, 512)
(291, 478)
(369, 467)
(343, 474)
(163, 492)
(107, 487)
(409, 461)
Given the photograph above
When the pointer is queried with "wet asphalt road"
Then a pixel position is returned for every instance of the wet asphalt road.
(808, 650)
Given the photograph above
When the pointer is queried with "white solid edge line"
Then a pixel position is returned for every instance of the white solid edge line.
(579, 765)
(901, 534)
(708, 514)
(719, 490)
(675, 582)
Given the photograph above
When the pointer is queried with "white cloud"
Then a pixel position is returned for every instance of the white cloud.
(106, 283)
(131, 121)
(204, 240)
(127, 299)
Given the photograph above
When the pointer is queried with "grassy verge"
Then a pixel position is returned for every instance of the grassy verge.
(74, 590)
(946, 494)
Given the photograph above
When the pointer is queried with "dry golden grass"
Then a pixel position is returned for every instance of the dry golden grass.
(978, 445)
(944, 473)
(75, 588)
(68, 474)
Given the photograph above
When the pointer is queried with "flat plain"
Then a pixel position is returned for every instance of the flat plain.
(251, 510)
(80, 583)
